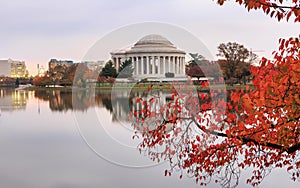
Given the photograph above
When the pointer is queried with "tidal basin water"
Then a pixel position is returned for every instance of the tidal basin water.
(60, 139)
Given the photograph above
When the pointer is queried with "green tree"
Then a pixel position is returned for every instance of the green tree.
(243, 72)
(17, 82)
(234, 55)
(126, 69)
(197, 59)
(59, 72)
(109, 70)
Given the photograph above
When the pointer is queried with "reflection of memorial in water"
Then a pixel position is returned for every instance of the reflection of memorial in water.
(121, 105)
(11, 100)
(126, 102)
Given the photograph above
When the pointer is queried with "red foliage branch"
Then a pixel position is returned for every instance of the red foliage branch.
(276, 8)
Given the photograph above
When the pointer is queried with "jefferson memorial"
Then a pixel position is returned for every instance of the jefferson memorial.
(152, 56)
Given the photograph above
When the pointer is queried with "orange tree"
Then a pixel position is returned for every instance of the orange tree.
(213, 137)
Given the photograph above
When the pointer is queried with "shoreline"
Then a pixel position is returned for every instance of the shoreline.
(138, 88)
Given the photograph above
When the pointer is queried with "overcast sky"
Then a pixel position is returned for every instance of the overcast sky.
(38, 30)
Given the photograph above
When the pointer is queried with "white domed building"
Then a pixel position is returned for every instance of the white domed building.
(152, 56)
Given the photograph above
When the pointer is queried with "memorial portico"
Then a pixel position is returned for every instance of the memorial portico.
(152, 57)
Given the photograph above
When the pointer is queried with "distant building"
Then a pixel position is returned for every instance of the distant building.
(18, 69)
(41, 70)
(5, 68)
(54, 62)
(12, 68)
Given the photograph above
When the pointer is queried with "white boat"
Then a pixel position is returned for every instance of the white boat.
(21, 87)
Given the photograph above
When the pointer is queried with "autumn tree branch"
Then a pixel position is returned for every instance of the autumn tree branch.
(276, 6)
(246, 140)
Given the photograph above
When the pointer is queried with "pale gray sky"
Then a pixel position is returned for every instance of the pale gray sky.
(36, 31)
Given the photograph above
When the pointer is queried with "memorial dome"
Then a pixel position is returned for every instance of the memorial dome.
(154, 39)
(154, 44)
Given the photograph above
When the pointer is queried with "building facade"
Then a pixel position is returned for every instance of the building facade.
(18, 69)
(152, 57)
(5, 68)
(12, 68)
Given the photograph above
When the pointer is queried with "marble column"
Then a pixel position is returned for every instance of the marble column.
(173, 64)
(136, 65)
(170, 66)
(142, 66)
(162, 68)
(177, 65)
(153, 65)
(166, 65)
(159, 64)
(182, 65)
(147, 63)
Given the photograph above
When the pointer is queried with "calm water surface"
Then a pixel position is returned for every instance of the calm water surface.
(56, 139)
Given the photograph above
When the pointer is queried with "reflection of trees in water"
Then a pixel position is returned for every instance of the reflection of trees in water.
(82, 100)
(59, 104)
(122, 106)
(63, 100)
(60, 100)
(119, 103)
(107, 104)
